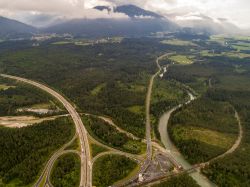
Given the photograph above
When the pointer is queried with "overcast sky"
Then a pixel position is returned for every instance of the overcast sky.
(235, 11)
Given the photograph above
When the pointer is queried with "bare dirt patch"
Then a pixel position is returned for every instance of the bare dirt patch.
(22, 121)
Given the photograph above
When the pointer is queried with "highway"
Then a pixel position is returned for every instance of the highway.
(86, 166)
(148, 103)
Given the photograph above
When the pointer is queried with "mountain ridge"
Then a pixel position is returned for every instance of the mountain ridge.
(13, 28)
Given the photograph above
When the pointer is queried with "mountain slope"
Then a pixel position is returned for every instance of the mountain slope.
(111, 27)
(140, 23)
(11, 28)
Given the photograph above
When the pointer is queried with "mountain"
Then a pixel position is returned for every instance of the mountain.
(13, 29)
(140, 23)
(130, 10)
(111, 27)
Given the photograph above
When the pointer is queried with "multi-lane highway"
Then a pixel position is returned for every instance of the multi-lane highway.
(86, 166)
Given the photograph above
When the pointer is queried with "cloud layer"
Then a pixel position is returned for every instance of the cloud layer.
(235, 11)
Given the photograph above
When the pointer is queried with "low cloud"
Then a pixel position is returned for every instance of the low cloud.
(42, 13)
(234, 11)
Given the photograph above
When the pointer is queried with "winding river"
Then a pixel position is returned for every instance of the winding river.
(173, 151)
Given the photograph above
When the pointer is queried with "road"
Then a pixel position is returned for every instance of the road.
(52, 162)
(86, 166)
(45, 174)
(148, 103)
(111, 123)
(236, 143)
(133, 157)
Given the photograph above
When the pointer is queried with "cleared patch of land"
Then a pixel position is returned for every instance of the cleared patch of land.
(241, 46)
(215, 138)
(23, 121)
(5, 87)
(136, 109)
(181, 59)
(178, 42)
(97, 89)
(203, 129)
(232, 54)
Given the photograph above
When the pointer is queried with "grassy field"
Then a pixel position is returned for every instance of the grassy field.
(98, 89)
(96, 149)
(181, 59)
(215, 138)
(231, 54)
(62, 43)
(241, 46)
(136, 109)
(204, 129)
(178, 42)
(5, 87)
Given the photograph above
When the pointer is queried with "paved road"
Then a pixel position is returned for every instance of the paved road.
(148, 103)
(86, 166)
(52, 162)
(45, 174)
(133, 157)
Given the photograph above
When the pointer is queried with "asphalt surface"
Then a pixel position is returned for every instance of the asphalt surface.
(86, 166)
(148, 103)
(52, 162)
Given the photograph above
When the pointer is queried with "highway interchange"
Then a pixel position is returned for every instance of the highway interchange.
(86, 166)
(145, 162)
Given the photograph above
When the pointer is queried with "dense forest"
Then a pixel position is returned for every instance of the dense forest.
(116, 167)
(183, 180)
(66, 171)
(109, 78)
(110, 136)
(233, 170)
(166, 94)
(16, 95)
(229, 77)
(24, 151)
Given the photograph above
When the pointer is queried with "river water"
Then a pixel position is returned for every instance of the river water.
(173, 151)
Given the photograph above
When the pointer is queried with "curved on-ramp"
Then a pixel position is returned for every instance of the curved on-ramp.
(86, 166)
